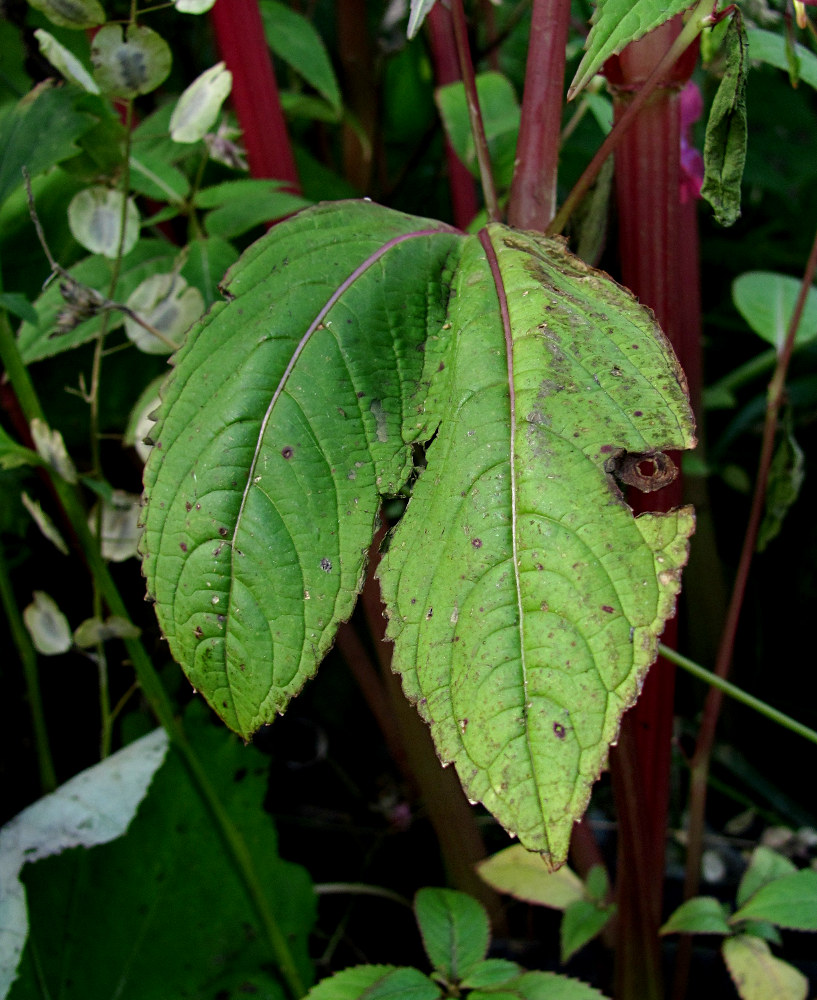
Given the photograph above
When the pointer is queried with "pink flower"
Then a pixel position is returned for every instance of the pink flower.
(692, 162)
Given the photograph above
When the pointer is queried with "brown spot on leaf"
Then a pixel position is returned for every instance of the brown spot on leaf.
(326, 565)
(287, 452)
(646, 471)
(183, 546)
(559, 730)
(477, 543)
(223, 532)
(608, 609)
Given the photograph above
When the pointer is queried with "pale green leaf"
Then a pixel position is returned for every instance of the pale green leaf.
(169, 306)
(198, 107)
(757, 974)
(581, 922)
(766, 300)
(615, 24)
(47, 625)
(352, 332)
(455, 931)
(130, 62)
(193, 6)
(770, 47)
(524, 875)
(765, 866)
(726, 130)
(93, 808)
(51, 448)
(120, 525)
(77, 14)
(95, 219)
(295, 40)
(699, 915)
(417, 14)
(376, 982)
(65, 61)
(93, 631)
(47, 527)
(789, 901)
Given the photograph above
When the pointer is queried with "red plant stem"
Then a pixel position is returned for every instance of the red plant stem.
(701, 758)
(240, 36)
(474, 113)
(533, 191)
(648, 196)
(446, 70)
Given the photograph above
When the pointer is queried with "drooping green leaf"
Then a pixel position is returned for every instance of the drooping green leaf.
(40, 340)
(765, 866)
(523, 597)
(582, 921)
(417, 14)
(524, 875)
(788, 901)
(770, 47)
(699, 915)
(500, 113)
(40, 131)
(130, 62)
(615, 24)
(455, 931)
(161, 912)
(351, 333)
(92, 808)
(376, 982)
(757, 974)
(726, 129)
(766, 300)
(295, 40)
(786, 474)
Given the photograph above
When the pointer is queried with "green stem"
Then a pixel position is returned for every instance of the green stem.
(71, 502)
(28, 658)
(739, 695)
(688, 34)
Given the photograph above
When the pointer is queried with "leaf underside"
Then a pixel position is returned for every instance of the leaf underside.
(523, 596)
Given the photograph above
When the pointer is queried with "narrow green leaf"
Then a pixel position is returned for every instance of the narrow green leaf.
(152, 176)
(18, 305)
(13, 455)
(766, 300)
(615, 24)
(581, 922)
(40, 131)
(786, 474)
(376, 982)
(455, 931)
(699, 915)
(765, 866)
(295, 40)
(770, 47)
(65, 61)
(524, 875)
(789, 901)
(757, 974)
(726, 129)
(417, 14)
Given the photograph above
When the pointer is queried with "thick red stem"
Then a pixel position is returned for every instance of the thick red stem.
(240, 36)
(650, 230)
(533, 192)
(464, 201)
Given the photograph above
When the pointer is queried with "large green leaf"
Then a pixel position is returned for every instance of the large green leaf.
(524, 597)
(615, 24)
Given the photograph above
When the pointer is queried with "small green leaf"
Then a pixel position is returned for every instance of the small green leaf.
(65, 61)
(786, 474)
(193, 6)
(199, 106)
(18, 305)
(376, 982)
(417, 14)
(241, 205)
(770, 47)
(153, 176)
(47, 527)
(757, 974)
(455, 931)
(13, 455)
(77, 14)
(130, 63)
(726, 129)
(491, 973)
(581, 922)
(295, 40)
(169, 305)
(766, 301)
(789, 901)
(524, 875)
(615, 24)
(95, 220)
(597, 884)
(765, 866)
(541, 986)
(700, 915)
(47, 625)
(93, 631)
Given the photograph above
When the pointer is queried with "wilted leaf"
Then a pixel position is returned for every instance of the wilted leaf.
(47, 625)
(198, 107)
(51, 448)
(168, 304)
(757, 974)
(130, 63)
(524, 875)
(95, 219)
(726, 129)
(93, 631)
(524, 597)
(615, 24)
(44, 523)
(93, 808)
(65, 61)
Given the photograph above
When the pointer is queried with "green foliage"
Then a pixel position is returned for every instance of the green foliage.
(766, 301)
